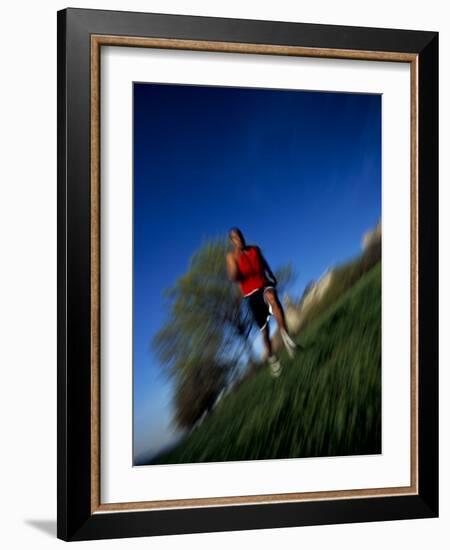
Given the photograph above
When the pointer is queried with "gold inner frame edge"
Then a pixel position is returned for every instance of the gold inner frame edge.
(264, 49)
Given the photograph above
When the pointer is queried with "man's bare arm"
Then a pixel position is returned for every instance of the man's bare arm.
(232, 268)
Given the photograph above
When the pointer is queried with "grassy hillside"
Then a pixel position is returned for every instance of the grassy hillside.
(327, 401)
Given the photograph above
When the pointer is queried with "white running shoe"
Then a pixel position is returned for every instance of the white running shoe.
(289, 344)
(275, 366)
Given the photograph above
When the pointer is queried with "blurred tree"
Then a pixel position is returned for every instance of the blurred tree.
(206, 334)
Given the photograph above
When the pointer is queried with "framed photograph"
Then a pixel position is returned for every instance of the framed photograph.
(247, 274)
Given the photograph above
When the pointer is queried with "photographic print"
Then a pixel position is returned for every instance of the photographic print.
(256, 274)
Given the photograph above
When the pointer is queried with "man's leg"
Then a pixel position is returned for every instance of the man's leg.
(275, 365)
(261, 316)
(266, 340)
(272, 297)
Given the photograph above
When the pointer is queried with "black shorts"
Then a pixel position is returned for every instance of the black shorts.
(259, 307)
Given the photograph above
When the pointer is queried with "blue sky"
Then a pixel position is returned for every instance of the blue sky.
(298, 171)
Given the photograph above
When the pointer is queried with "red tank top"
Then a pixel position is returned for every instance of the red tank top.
(251, 270)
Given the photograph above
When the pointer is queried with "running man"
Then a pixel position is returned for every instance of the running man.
(247, 266)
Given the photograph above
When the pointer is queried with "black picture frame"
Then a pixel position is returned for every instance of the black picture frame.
(76, 519)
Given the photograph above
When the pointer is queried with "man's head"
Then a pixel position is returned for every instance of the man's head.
(237, 238)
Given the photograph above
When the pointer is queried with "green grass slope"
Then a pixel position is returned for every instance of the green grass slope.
(327, 401)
